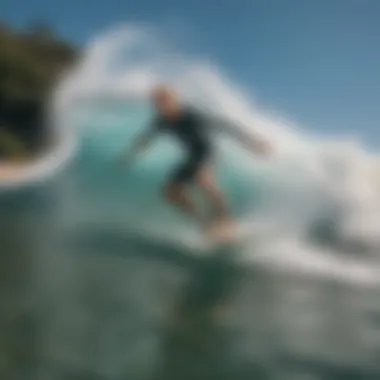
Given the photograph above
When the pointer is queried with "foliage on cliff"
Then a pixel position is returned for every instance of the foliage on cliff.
(30, 62)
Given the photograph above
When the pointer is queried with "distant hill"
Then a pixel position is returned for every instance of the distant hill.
(30, 61)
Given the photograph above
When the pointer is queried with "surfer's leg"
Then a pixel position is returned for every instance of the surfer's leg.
(205, 180)
(175, 190)
(175, 193)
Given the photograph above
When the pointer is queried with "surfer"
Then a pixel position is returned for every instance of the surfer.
(191, 130)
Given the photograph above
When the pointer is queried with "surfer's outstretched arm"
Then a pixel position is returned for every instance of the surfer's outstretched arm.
(140, 144)
(251, 141)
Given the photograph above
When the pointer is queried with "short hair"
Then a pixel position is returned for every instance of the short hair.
(163, 90)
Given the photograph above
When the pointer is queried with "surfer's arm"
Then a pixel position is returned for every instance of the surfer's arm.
(251, 141)
(140, 144)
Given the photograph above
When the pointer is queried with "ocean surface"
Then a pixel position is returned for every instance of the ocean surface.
(100, 279)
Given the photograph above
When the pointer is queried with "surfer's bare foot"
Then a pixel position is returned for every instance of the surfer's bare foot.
(219, 227)
(225, 222)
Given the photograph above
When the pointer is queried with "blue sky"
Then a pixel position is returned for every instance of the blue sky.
(315, 61)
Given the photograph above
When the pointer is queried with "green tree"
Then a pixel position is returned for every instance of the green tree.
(29, 63)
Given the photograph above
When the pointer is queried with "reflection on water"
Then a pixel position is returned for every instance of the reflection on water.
(98, 304)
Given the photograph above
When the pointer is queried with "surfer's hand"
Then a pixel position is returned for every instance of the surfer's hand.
(262, 147)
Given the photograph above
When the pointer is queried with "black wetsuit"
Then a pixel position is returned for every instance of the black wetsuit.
(192, 132)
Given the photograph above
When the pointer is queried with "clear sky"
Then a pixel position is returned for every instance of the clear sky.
(316, 61)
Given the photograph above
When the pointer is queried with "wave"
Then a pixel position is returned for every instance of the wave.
(321, 192)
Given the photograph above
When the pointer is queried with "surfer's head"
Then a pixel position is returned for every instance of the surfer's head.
(165, 100)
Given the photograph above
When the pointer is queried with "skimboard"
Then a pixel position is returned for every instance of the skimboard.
(226, 233)
(216, 236)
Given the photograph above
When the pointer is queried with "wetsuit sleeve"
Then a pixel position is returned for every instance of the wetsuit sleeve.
(217, 125)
